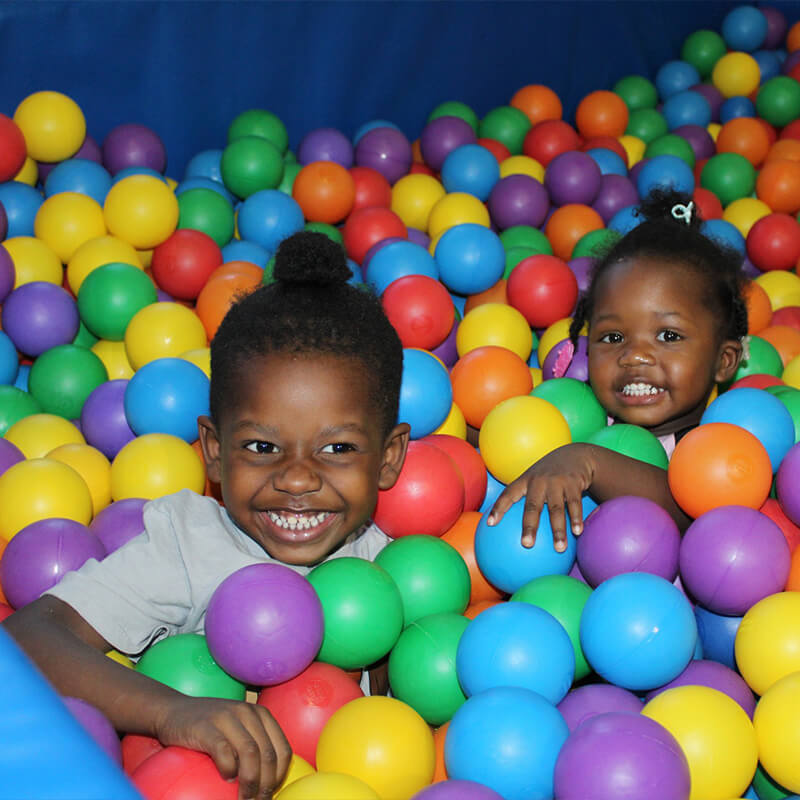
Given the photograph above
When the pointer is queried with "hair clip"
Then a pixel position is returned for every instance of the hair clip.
(683, 213)
(745, 340)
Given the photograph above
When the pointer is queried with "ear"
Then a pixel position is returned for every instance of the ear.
(730, 354)
(394, 454)
(209, 442)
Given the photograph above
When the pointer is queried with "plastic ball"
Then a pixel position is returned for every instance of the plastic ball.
(366, 227)
(470, 257)
(675, 76)
(208, 212)
(773, 242)
(141, 210)
(92, 466)
(325, 144)
(97, 253)
(425, 393)
(79, 175)
(717, 635)
(494, 324)
(420, 310)
(572, 177)
(20, 202)
(601, 113)
(778, 100)
(543, 288)
(470, 168)
(268, 216)
(702, 49)
(325, 191)
(782, 288)
(15, 404)
(568, 224)
(777, 185)
(686, 108)
(36, 434)
(328, 786)
(386, 150)
(53, 125)
(118, 523)
(259, 122)
(589, 700)
(735, 74)
(176, 771)
(665, 172)
(507, 125)
(413, 198)
(577, 404)
(398, 259)
(162, 330)
(250, 164)
(632, 441)
(744, 28)
(13, 148)
(518, 200)
(454, 209)
(775, 724)
(538, 102)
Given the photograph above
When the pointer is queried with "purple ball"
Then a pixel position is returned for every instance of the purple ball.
(699, 140)
(713, 95)
(41, 553)
(575, 572)
(10, 454)
(616, 192)
(419, 237)
(572, 177)
(776, 27)
(457, 789)
(119, 522)
(8, 274)
(133, 145)
(441, 136)
(103, 421)
(264, 624)
(90, 150)
(325, 144)
(582, 268)
(447, 350)
(749, 269)
(731, 557)
(791, 61)
(621, 756)
(518, 200)
(97, 725)
(628, 534)
(40, 315)
(386, 150)
(633, 172)
(715, 676)
(564, 361)
(596, 698)
(3, 223)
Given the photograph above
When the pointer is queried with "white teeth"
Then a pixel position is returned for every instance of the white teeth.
(297, 522)
(640, 389)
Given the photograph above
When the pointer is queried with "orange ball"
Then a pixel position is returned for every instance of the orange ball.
(568, 224)
(439, 770)
(719, 464)
(784, 338)
(759, 308)
(219, 294)
(745, 136)
(788, 149)
(494, 294)
(793, 581)
(537, 102)
(778, 185)
(473, 610)
(601, 113)
(325, 191)
(484, 377)
(793, 38)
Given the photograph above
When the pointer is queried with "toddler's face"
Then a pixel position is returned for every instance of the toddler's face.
(654, 346)
(301, 454)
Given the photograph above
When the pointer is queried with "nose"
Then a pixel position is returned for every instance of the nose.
(297, 477)
(636, 354)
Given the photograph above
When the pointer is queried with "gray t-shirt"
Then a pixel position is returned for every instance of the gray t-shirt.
(159, 583)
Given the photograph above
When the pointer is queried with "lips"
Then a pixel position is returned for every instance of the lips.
(298, 526)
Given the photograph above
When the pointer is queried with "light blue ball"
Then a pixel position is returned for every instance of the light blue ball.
(674, 77)
(79, 175)
(21, 202)
(471, 258)
(686, 108)
(268, 217)
(610, 163)
(471, 169)
(205, 164)
(358, 275)
(735, 107)
(769, 65)
(198, 182)
(724, 233)
(426, 394)
(516, 644)
(665, 172)
(9, 360)
(718, 635)
(371, 125)
(21, 381)
(242, 250)
(625, 220)
(638, 631)
(744, 28)
(398, 260)
(493, 490)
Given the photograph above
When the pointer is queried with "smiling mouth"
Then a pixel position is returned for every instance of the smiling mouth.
(640, 393)
(300, 526)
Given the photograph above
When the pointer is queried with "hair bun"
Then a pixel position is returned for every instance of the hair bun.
(660, 204)
(311, 258)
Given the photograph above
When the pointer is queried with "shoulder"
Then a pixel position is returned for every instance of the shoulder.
(366, 543)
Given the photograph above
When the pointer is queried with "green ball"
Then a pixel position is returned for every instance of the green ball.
(790, 397)
(332, 232)
(111, 295)
(454, 108)
(526, 236)
(14, 405)
(671, 145)
(268, 276)
(729, 176)
(289, 157)
(632, 441)
(766, 788)
(206, 211)
(577, 403)
(595, 243)
(290, 172)
(184, 663)
(260, 123)
(778, 100)
(702, 49)
(507, 125)
(763, 359)
(250, 164)
(430, 574)
(63, 377)
(362, 608)
(563, 597)
(422, 667)
(514, 255)
(84, 337)
(637, 92)
(646, 124)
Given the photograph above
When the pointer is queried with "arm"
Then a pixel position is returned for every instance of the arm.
(559, 478)
(242, 738)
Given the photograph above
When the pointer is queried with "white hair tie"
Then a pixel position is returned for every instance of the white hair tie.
(683, 213)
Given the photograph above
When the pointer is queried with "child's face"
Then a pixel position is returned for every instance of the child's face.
(301, 454)
(655, 349)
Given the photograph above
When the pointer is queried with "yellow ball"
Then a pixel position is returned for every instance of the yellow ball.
(154, 465)
(777, 726)
(120, 658)
(328, 786)
(92, 466)
(171, 182)
(536, 376)
(634, 147)
(716, 737)
(37, 434)
(454, 423)
(768, 640)
(53, 125)
(28, 172)
(142, 210)
(41, 488)
(146, 257)
(782, 288)
(34, 261)
(553, 334)
(713, 129)
(517, 432)
(67, 220)
(381, 741)
(522, 165)
(494, 324)
(96, 253)
(298, 768)
(114, 358)
(745, 212)
(413, 197)
(791, 373)
(162, 330)
(457, 208)
(736, 74)
(200, 357)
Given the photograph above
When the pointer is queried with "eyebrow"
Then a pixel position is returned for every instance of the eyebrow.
(607, 317)
(271, 430)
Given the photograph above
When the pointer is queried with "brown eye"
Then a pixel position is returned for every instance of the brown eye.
(669, 336)
(262, 448)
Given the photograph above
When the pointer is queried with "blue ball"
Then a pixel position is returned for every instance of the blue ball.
(397, 260)
(758, 412)
(21, 381)
(9, 360)
(665, 172)
(358, 275)
(460, 303)
(204, 183)
(744, 28)
(268, 217)
(507, 645)
(242, 250)
(493, 489)
(426, 394)
(718, 635)
(686, 108)
(735, 107)
(21, 202)
(79, 175)
(610, 163)
(638, 631)
(137, 170)
(507, 739)
(769, 65)
(205, 164)
(724, 233)
(674, 77)
(471, 169)
(625, 220)
(371, 125)
(167, 395)
(471, 258)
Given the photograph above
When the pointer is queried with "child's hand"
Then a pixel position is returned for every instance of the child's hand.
(558, 479)
(243, 740)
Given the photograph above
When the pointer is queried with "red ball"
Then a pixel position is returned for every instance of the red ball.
(302, 705)
(791, 131)
(707, 203)
(543, 288)
(428, 497)
(497, 149)
(136, 749)
(550, 138)
(608, 143)
(176, 773)
(774, 242)
(469, 462)
(367, 226)
(788, 315)
(421, 169)
(5, 611)
(182, 263)
(757, 381)
(372, 189)
(12, 148)
(774, 511)
(420, 310)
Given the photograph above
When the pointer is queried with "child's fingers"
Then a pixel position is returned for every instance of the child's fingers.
(510, 495)
(575, 509)
(280, 748)
(534, 504)
(558, 523)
